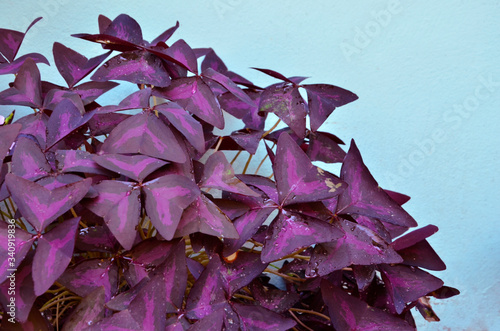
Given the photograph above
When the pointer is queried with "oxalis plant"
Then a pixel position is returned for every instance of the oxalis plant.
(130, 217)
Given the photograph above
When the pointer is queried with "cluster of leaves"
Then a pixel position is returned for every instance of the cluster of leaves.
(136, 220)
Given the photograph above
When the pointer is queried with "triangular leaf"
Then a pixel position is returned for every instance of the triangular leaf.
(28, 160)
(136, 167)
(27, 87)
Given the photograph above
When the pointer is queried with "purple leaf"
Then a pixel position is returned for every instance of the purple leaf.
(12, 236)
(89, 311)
(119, 204)
(72, 65)
(297, 179)
(11, 40)
(9, 134)
(218, 173)
(228, 84)
(24, 294)
(36, 126)
(205, 217)
(242, 271)
(400, 198)
(195, 96)
(138, 67)
(214, 62)
(185, 123)
(363, 195)
(246, 226)
(286, 102)
(65, 119)
(26, 90)
(53, 254)
(250, 114)
(272, 298)
(407, 284)
(145, 134)
(136, 100)
(290, 232)
(358, 246)
(125, 28)
(214, 321)
(364, 275)
(90, 91)
(55, 96)
(165, 35)
(323, 99)
(350, 313)
(264, 184)
(323, 148)
(121, 321)
(253, 317)
(275, 74)
(184, 55)
(13, 67)
(101, 124)
(166, 199)
(41, 206)
(206, 295)
(96, 239)
(248, 139)
(136, 167)
(90, 274)
(78, 161)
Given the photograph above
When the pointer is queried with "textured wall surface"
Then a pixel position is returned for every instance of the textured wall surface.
(428, 77)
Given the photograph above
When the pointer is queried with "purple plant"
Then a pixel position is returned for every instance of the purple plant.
(137, 221)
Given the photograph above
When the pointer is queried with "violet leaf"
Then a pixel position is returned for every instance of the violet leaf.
(9, 134)
(119, 204)
(248, 139)
(13, 67)
(274, 74)
(323, 99)
(90, 91)
(28, 160)
(89, 311)
(228, 84)
(11, 40)
(12, 236)
(363, 195)
(136, 167)
(121, 321)
(26, 90)
(145, 134)
(165, 35)
(250, 114)
(136, 100)
(41, 206)
(53, 254)
(184, 55)
(166, 198)
(258, 318)
(78, 161)
(323, 148)
(297, 179)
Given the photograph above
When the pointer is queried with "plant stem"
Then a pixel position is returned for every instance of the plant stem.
(271, 129)
(312, 312)
(235, 157)
(247, 164)
(299, 321)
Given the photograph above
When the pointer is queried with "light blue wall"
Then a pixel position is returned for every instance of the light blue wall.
(427, 120)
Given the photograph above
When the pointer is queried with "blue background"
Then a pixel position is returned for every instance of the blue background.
(428, 78)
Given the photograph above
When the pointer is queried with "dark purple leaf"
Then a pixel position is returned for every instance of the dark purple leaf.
(185, 123)
(274, 299)
(90, 91)
(290, 232)
(248, 139)
(101, 124)
(136, 100)
(35, 322)
(166, 199)
(400, 198)
(122, 301)
(120, 206)
(13, 67)
(253, 317)
(13, 237)
(297, 179)
(444, 292)
(11, 40)
(241, 271)
(358, 246)
(9, 134)
(246, 226)
(274, 74)
(53, 254)
(78, 161)
(90, 274)
(350, 313)
(286, 102)
(41, 206)
(323, 148)
(195, 96)
(364, 275)
(89, 311)
(26, 90)
(24, 294)
(363, 195)
(121, 321)
(136, 167)
(145, 134)
(96, 239)
(138, 67)
(184, 55)
(165, 35)
(213, 61)
(72, 65)
(250, 114)
(207, 294)
(264, 184)
(323, 99)
(125, 28)
(407, 284)
(414, 237)
(213, 321)
(205, 217)
(65, 119)
(55, 96)
(218, 173)
(228, 84)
